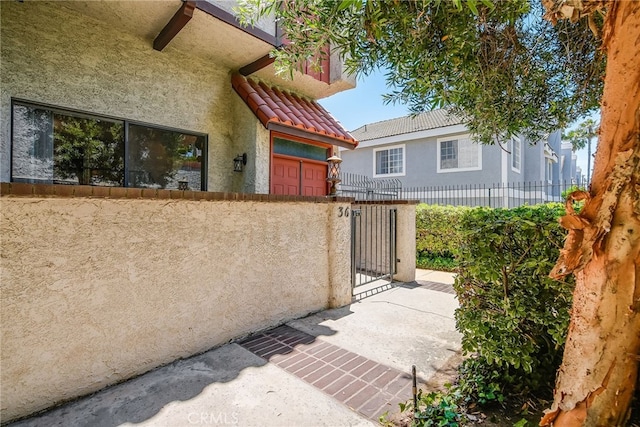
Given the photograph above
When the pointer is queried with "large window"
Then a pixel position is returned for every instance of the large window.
(459, 154)
(56, 146)
(516, 154)
(389, 161)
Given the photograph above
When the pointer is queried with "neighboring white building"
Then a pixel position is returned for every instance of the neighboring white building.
(435, 149)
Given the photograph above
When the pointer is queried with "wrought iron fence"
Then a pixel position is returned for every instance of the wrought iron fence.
(364, 188)
(499, 195)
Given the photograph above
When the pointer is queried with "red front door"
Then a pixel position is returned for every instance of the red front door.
(294, 176)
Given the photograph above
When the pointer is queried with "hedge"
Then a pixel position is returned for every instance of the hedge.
(438, 234)
(511, 313)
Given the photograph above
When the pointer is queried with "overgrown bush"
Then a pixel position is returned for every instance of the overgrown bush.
(511, 313)
(512, 316)
(437, 236)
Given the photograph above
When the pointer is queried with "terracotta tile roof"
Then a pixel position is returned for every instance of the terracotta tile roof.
(272, 105)
(423, 121)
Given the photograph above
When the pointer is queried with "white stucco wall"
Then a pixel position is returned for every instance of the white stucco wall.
(95, 291)
(90, 66)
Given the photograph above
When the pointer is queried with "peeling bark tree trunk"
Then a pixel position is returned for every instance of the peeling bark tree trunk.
(596, 381)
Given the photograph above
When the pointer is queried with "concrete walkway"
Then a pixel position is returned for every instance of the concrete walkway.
(341, 367)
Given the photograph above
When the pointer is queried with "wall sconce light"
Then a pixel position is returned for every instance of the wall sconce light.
(333, 173)
(239, 161)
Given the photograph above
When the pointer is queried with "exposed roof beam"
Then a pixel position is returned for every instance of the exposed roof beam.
(230, 19)
(256, 65)
(173, 27)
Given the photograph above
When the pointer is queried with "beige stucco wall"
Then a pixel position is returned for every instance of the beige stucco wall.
(98, 290)
(253, 138)
(406, 242)
(53, 55)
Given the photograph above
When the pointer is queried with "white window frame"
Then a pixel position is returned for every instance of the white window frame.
(391, 147)
(548, 169)
(516, 142)
(457, 138)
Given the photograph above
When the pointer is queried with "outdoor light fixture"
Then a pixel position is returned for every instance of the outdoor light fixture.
(333, 173)
(239, 161)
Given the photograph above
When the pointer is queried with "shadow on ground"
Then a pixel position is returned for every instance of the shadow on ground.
(140, 399)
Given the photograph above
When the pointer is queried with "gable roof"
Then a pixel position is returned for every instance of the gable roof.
(273, 106)
(407, 124)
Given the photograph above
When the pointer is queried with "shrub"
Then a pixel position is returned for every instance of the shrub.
(511, 313)
(437, 235)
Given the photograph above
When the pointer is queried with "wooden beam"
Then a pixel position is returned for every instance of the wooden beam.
(173, 27)
(256, 65)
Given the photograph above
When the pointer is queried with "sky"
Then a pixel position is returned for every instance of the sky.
(356, 107)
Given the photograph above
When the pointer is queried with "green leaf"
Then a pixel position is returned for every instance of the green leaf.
(521, 423)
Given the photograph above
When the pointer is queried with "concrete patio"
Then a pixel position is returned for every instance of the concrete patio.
(340, 367)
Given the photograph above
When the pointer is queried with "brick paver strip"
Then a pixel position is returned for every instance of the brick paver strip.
(328, 379)
(334, 355)
(292, 360)
(322, 345)
(376, 404)
(277, 358)
(364, 368)
(364, 395)
(299, 364)
(352, 364)
(342, 360)
(398, 385)
(327, 351)
(349, 391)
(435, 286)
(255, 341)
(385, 378)
(339, 384)
(316, 375)
(375, 373)
(362, 384)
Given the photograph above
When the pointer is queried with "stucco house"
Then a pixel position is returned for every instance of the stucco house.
(167, 93)
(435, 149)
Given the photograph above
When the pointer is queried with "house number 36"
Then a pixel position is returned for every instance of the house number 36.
(343, 212)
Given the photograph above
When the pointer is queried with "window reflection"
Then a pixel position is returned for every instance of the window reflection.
(60, 147)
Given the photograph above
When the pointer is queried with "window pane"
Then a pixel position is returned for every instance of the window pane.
(516, 153)
(297, 149)
(161, 158)
(32, 150)
(448, 154)
(468, 154)
(395, 160)
(51, 147)
(87, 151)
(382, 166)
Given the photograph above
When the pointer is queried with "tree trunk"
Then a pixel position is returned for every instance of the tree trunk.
(597, 378)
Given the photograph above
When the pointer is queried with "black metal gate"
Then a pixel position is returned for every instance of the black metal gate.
(373, 243)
